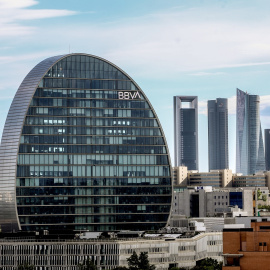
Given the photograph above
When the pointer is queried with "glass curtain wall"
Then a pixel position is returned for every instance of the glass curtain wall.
(92, 154)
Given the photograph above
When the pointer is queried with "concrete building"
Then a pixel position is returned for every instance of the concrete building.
(164, 251)
(235, 220)
(218, 149)
(82, 148)
(255, 180)
(209, 224)
(186, 131)
(184, 177)
(247, 249)
(249, 142)
(180, 176)
(218, 179)
(247, 221)
(205, 202)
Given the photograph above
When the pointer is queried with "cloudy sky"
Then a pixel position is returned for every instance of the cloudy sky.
(174, 47)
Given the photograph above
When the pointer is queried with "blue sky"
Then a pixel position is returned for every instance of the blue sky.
(173, 47)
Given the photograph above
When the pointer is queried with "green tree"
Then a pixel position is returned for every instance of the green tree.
(208, 264)
(144, 262)
(133, 261)
(140, 262)
(87, 265)
(259, 193)
(26, 266)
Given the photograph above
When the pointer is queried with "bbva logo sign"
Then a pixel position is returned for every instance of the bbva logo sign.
(128, 95)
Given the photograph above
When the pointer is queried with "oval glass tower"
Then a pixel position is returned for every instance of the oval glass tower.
(82, 148)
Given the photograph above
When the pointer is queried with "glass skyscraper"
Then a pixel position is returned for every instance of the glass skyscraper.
(267, 148)
(249, 141)
(218, 157)
(186, 131)
(82, 148)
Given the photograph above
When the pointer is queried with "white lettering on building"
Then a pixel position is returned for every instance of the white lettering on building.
(128, 95)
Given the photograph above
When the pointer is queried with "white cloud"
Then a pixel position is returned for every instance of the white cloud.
(232, 105)
(186, 40)
(25, 57)
(264, 102)
(207, 73)
(190, 40)
(202, 107)
(177, 40)
(265, 121)
(13, 12)
(12, 4)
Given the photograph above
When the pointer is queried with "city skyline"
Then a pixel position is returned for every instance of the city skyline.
(198, 48)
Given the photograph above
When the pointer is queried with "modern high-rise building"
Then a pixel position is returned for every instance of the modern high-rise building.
(267, 148)
(218, 157)
(186, 131)
(249, 141)
(83, 149)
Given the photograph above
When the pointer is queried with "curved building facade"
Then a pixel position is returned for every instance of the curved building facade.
(82, 148)
(249, 142)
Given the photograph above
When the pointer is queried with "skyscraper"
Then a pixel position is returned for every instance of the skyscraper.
(82, 148)
(267, 148)
(186, 131)
(249, 142)
(218, 157)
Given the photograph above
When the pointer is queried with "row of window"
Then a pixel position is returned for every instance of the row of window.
(221, 203)
(85, 69)
(80, 130)
(122, 201)
(59, 139)
(127, 182)
(91, 210)
(92, 191)
(79, 93)
(104, 171)
(87, 103)
(92, 159)
(87, 149)
(53, 249)
(44, 262)
(65, 80)
(78, 61)
(86, 121)
(136, 218)
(142, 113)
(94, 227)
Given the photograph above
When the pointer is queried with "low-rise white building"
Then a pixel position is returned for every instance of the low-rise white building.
(163, 252)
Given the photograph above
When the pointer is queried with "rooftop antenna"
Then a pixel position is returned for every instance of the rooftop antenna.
(69, 48)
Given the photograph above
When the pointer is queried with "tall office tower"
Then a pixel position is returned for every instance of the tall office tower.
(186, 131)
(267, 148)
(82, 148)
(249, 142)
(218, 158)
